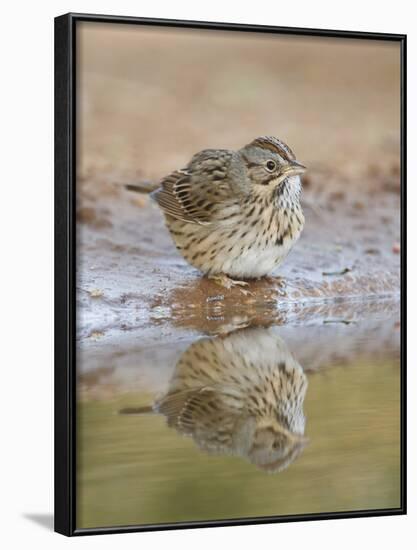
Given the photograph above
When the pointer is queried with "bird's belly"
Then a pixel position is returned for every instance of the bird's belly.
(257, 261)
(229, 251)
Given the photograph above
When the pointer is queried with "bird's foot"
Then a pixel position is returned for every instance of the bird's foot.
(226, 282)
(235, 324)
(278, 281)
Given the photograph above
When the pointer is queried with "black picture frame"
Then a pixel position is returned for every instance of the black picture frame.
(65, 262)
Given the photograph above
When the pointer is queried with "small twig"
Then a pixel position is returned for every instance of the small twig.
(343, 321)
(333, 273)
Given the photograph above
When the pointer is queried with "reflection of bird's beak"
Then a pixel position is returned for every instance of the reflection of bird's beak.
(294, 168)
(299, 442)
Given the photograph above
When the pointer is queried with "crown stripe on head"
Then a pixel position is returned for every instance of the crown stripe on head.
(275, 145)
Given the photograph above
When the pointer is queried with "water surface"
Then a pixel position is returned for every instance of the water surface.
(262, 421)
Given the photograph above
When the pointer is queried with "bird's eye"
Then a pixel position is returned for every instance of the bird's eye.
(277, 445)
(270, 165)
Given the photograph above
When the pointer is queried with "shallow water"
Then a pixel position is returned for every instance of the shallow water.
(264, 421)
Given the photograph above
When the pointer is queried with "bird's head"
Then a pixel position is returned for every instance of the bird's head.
(274, 447)
(271, 163)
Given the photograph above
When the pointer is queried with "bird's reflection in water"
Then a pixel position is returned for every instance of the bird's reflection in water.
(240, 394)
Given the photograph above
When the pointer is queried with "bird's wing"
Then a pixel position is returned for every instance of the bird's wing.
(202, 413)
(212, 180)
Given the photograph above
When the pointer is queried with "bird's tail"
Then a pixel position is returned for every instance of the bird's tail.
(146, 187)
(140, 411)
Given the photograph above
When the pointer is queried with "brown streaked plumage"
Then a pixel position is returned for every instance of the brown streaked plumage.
(239, 395)
(235, 214)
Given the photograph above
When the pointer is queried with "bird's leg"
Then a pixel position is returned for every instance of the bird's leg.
(226, 282)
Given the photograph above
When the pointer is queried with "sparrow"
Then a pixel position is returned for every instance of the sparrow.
(234, 215)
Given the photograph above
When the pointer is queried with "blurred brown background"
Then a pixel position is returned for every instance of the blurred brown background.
(151, 97)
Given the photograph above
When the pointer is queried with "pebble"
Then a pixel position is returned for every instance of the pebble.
(396, 248)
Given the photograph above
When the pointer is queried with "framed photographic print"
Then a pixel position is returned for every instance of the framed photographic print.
(230, 274)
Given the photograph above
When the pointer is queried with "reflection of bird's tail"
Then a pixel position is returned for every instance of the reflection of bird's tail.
(145, 187)
(147, 409)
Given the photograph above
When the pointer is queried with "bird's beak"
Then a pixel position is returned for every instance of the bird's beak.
(294, 168)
